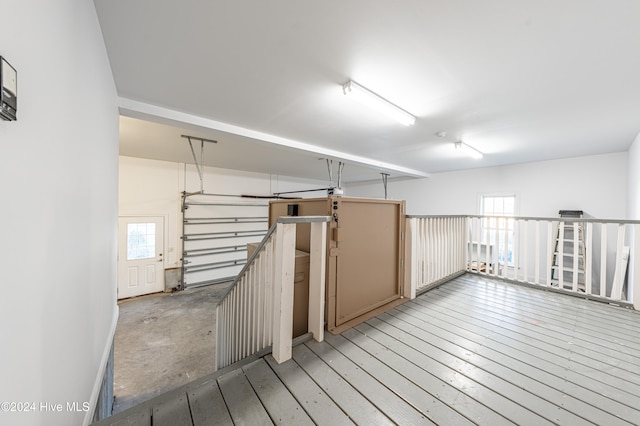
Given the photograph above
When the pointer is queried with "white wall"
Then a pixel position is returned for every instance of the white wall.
(634, 180)
(634, 213)
(58, 180)
(153, 188)
(595, 184)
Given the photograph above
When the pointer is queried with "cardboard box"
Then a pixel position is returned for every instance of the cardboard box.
(300, 290)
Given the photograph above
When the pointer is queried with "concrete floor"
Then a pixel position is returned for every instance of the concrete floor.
(162, 341)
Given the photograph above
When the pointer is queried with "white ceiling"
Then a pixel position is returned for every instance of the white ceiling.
(518, 80)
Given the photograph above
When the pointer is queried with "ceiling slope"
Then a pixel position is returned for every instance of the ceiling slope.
(519, 81)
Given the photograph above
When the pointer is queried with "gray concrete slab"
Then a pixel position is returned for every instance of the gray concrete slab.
(163, 341)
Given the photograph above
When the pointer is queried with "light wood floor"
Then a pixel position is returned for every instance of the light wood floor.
(473, 351)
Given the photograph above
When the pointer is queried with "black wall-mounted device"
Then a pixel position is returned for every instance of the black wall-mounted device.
(8, 91)
(292, 210)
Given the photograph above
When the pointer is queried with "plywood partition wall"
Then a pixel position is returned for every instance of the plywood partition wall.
(365, 252)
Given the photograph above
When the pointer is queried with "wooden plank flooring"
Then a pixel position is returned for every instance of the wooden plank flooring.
(473, 351)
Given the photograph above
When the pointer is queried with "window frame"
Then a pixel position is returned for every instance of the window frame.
(494, 226)
(141, 241)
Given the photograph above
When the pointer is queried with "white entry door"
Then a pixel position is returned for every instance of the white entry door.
(140, 260)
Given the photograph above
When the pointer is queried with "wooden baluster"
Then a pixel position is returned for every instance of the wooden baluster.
(588, 262)
(550, 248)
(603, 260)
(634, 283)
(525, 252)
(317, 268)
(576, 252)
(616, 289)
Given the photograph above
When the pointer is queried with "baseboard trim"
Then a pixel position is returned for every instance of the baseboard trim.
(95, 393)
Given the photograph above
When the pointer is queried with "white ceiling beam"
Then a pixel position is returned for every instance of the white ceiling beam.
(154, 113)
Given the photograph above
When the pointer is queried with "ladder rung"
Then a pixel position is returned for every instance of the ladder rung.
(565, 254)
(566, 269)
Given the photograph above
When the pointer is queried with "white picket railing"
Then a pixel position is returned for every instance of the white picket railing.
(437, 249)
(527, 250)
(257, 311)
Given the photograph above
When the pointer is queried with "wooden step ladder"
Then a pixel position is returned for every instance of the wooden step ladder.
(568, 262)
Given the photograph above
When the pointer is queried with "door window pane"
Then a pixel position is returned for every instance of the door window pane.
(141, 241)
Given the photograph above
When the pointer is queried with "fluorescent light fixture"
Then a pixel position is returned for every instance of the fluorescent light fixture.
(373, 101)
(468, 150)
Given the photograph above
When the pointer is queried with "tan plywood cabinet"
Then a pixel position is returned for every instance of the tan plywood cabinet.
(365, 252)
(300, 290)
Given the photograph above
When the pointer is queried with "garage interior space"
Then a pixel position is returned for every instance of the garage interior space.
(163, 341)
(473, 351)
(490, 117)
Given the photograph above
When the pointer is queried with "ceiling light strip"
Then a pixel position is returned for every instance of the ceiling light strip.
(468, 150)
(378, 103)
